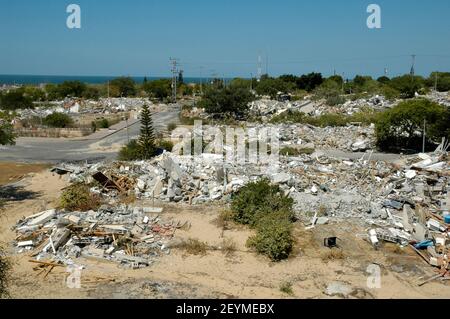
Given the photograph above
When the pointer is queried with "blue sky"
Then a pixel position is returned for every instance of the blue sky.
(137, 37)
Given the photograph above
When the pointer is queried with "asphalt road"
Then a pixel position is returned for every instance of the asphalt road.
(54, 150)
(99, 147)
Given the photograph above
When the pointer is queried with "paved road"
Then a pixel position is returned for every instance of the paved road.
(84, 149)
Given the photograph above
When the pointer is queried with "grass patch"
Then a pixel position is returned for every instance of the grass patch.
(286, 288)
(78, 197)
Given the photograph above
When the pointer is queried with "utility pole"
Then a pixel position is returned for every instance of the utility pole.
(259, 68)
(174, 70)
(413, 66)
(424, 135)
(201, 80)
(435, 81)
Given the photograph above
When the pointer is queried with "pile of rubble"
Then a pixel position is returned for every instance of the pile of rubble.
(267, 107)
(132, 236)
(442, 98)
(348, 138)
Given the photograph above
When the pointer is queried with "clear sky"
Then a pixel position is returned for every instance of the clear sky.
(137, 37)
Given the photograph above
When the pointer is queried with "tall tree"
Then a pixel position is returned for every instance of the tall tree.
(147, 137)
(6, 133)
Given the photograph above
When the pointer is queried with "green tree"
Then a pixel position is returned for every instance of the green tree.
(58, 120)
(384, 79)
(16, 99)
(91, 92)
(147, 136)
(227, 102)
(159, 89)
(331, 91)
(272, 86)
(309, 81)
(402, 126)
(407, 85)
(7, 136)
(124, 86)
(71, 89)
(439, 79)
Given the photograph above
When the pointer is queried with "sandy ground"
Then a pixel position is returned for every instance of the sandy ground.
(216, 275)
(11, 172)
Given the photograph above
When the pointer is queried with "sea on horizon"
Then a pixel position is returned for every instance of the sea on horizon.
(57, 79)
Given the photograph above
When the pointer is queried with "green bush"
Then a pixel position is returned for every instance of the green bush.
(5, 267)
(164, 144)
(259, 199)
(58, 120)
(273, 238)
(78, 197)
(171, 127)
(131, 152)
(402, 126)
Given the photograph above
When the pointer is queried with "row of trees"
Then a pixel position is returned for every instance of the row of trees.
(23, 98)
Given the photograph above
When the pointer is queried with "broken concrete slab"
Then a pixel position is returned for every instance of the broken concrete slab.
(43, 218)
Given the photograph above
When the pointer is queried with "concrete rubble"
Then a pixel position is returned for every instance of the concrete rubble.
(131, 236)
(267, 108)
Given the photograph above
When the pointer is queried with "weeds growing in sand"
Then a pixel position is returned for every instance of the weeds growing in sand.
(333, 254)
(286, 288)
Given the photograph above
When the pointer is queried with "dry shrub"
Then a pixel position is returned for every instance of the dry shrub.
(229, 247)
(194, 247)
(333, 254)
(78, 197)
(224, 219)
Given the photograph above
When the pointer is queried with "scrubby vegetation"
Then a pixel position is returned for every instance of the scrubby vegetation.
(366, 117)
(5, 267)
(264, 207)
(286, 288)
(194, 247)
(78, 197)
